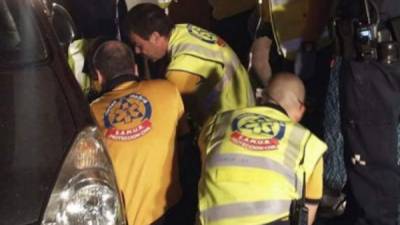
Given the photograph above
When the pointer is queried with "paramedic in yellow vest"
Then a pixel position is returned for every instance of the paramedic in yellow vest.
(139, 120)
(255, 159)
(206, 71)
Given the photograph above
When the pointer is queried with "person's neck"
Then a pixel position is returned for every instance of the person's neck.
(118, 80)
(275, 105)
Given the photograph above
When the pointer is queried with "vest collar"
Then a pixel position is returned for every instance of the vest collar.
(110, 85)
(277, 107)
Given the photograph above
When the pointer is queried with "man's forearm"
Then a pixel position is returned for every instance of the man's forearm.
(260, 59)
(312, 211)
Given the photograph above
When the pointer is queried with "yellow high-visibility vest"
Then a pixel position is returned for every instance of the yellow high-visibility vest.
(76, 60)
(226, 84)
(131, 117)
(254, 166)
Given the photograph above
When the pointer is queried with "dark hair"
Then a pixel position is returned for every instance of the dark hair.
(92, 46)
(146, 18)
(113, 58)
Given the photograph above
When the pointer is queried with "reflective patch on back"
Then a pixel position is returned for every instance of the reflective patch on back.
(204, 35)
(257, 132)
(128, 117)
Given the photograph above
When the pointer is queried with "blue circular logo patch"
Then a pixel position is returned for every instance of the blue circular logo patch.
(128, 118)
(257, 132)
(205, 35)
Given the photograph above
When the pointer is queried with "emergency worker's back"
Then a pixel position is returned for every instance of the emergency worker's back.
(254, 163)
(139, 121)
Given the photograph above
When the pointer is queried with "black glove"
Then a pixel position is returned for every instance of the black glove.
(305, 61)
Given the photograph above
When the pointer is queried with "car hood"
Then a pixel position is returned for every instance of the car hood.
(36, 131)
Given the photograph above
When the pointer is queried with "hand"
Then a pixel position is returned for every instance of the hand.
(305, 61)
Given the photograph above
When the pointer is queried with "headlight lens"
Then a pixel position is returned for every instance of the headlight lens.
(86, 192)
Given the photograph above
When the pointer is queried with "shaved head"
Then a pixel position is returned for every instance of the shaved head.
(287, 90)
(113, 58)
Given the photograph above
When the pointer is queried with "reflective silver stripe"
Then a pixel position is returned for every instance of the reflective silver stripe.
(230, 68)
(218, 159)
(246, 209)
(222, 123)
(299, 185)
(292, 153)
(216, 56)
(210, 54)
(293, 148)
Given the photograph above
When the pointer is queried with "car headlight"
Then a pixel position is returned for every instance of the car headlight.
(86, 192)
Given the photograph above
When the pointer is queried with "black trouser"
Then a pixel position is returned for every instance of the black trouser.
(316, 90)
(370, 101)
(184, 212)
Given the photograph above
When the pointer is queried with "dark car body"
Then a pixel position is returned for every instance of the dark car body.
(42, 109)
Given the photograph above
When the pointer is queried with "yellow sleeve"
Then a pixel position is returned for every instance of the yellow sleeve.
(181, 107)
(186, 83)
(315, 183)
(194, 65)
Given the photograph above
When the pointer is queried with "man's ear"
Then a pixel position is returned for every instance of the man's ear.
(154, 37)
(100, 77)
(302, 110)
(296, 112)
